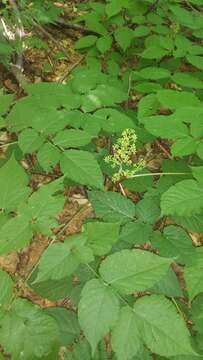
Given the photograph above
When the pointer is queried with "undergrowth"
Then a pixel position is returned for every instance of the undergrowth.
(126, 132)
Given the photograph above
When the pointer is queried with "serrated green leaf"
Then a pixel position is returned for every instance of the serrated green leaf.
(154, 73)
(97, 302)
(72, 138)
(185, 146)
(82, 167)
(101, 236)
(124, 36)
(111, 206)
(5, 103)
(104, 43)
(154, 52)
(27, 331)
(85, 42)
(62, 259)
(133, 270)
(29, 141)
(187, 80)
(176, 244)
(125, 335)
(136, 233)
(15, 234)
(166, 127)
(172, 99)
(13, 184)
(196, 61)
(156, 319)
(183, 199)
(48, 156)
(168, 285)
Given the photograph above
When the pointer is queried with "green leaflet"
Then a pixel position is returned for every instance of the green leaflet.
(112, 206)
(102, 236)
(193, 276)
(184, 198)
(97, 302)
(13, 185)
(82, 167)
(125, 336)
(133, 270)
(156, 318)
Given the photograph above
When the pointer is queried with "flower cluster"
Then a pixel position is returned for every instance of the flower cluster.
(123, 151)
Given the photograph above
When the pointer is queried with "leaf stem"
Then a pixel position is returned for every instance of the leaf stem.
(159, 174)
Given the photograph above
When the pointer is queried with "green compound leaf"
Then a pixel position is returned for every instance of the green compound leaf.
(183, 199)
(13, 185)
(97, 311)
(111, 206)
(156, 319)
(82, 167)
(125, 335)
(27, 332)
(133, 270)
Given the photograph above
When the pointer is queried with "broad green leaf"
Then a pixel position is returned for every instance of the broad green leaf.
(15, 234)
(125, 335)
(148, 209)
(114, 7)
(5, 103)
(113, 121)
(62, 259)
(166, 127)
(124, 36)
(48, 156)
(193, 276)
(156, 319)
(6, 288)
(101, 236)
(172, 99)
(141, 31)
(185, 146)
(133, 270)
(197, 172)
(103, 95)
(154, 73)
(85, 42)
(29, 141)
(148, 87)
(112, 206)
(191, 223)
(97, 312)
(13, 184)
(177, 244)
(82, 167)
(136, 232)
(168, 285)
(187, 80)
(67, 323)
(200, 150)
(154, 52)
(104, 43)
(84, 80)
(27, 332)
(195, 60)
(184, 198)
(72, 138)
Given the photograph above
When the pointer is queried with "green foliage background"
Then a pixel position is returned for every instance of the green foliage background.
(143, 70)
